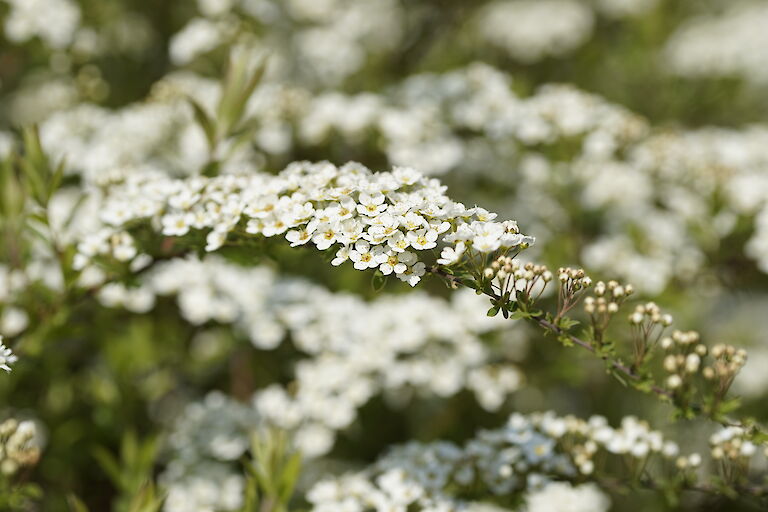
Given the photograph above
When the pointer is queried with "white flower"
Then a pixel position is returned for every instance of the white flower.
(486, 243)
(398, 242)
(6, 356)
(451, 255)
(344, 209)
(273, 225)
(214, 240)
(13, 321)
(364, 257)
(303, 235)
(390, 262)
(342, 255)
(177, 224)
(413, 271)
(351, 231)
(371, 205)
(412, 221)
(261, 207)
(326, 235)
(422, 239)
(381, 228)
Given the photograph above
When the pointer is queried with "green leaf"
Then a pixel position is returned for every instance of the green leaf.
(493, 311)
(110, 465)
(146, 500)
(251, 495)
(238, 87)
(76, 504)
(12, 192)
(211, 169)
(289, 477)
(617, 375)
(729, 405)
(205, 121)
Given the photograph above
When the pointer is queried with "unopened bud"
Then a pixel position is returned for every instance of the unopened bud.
(674, 381)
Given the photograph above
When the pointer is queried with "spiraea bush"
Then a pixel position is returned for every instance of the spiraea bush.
(385, 256)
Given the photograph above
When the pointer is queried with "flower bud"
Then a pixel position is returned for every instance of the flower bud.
(674, 381)
(692, 362)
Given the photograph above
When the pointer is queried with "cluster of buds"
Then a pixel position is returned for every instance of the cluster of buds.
(18, 445)
(605, 303)
(692, 461)
(510, 275)
(613, 291)
(684, 356)
(730, 443)
(728, 361)
(649, 315)
(583, 455)
(573, 281)
(648, 324)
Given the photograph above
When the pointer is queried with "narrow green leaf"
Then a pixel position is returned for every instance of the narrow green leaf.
(289, 478)
(110, 466)
(205, 121)
(76, 504)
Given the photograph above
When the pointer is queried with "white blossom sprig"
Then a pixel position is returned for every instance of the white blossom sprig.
(383, 221)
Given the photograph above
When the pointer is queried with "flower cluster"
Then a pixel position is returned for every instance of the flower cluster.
(354, 349)
(300, 35)
(565, 497)
(526, 454)
(720, 45)
(54, 21)
(213, 488)
(530, 30)
(422, 122)
(378, 221)
(203, 444)
(731, 443)
(19, 445)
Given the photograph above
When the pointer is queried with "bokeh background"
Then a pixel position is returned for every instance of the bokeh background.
(629, 136)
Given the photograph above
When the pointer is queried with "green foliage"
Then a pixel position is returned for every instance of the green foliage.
(272, 473)
(132, 473)
(229, 122)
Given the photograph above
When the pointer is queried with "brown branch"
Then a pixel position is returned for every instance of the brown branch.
(616, 364)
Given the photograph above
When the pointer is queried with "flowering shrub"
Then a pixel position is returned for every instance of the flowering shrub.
(264, 256)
